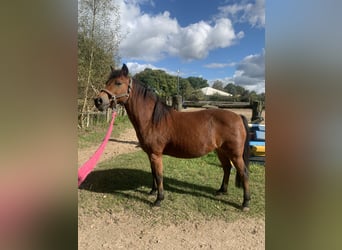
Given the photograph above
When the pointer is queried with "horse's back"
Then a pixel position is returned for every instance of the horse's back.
(227, 126)
(219, 118)
(193, 134)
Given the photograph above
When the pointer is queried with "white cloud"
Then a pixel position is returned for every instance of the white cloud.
(250, 73)
(135, 67)
(253, 13)
(152, 37)
(218, 65)
(240, 35)
(196, 40)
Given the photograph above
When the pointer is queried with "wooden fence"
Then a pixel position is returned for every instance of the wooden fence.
(255, 106)
(93, 118)
(219, 104)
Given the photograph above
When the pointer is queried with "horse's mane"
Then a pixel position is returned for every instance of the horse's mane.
(160, 110)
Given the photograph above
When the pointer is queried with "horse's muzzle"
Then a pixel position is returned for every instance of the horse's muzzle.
(100, 103)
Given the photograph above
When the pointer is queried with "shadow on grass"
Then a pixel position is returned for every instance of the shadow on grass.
(121, 180)
(125, 142)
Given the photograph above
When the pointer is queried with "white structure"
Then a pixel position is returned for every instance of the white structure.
(212, 91)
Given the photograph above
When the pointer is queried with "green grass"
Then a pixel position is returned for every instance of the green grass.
(94, 135)
(123, 184)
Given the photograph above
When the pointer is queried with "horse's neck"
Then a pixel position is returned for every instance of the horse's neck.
(139, 112)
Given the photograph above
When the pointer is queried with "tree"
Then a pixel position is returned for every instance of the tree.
(196, 95)
(253, 95)
(165, 84)
(98, 41)
(241, 91)
(238, 92)
(218, 85)
(185, 88)
(197, 82)
(161, 82)
(231, 88)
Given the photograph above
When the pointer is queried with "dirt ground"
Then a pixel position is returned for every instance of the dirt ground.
(128, 231)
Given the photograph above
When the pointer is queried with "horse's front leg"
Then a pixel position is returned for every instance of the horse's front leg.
(157, 172)
(154, 181)
(226, 165)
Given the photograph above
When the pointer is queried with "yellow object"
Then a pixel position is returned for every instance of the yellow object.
(258, 150)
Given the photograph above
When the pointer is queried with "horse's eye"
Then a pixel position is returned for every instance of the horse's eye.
(118, 83)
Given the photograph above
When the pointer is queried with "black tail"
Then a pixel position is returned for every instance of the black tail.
(246, 153)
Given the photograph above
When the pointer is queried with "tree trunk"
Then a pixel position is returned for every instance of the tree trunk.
(88, 83)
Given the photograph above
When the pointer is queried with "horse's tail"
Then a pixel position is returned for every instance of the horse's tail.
(246, 153)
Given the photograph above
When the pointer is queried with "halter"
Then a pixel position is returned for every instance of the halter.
(113, 98)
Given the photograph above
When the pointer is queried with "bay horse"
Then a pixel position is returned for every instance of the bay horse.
(161, 130)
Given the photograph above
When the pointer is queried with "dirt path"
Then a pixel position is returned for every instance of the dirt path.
(128, 231)
(127, 142)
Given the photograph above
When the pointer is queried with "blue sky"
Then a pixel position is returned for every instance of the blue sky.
(214, 39)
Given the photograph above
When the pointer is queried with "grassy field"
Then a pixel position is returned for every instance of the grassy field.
(94, 135)
(123, 184)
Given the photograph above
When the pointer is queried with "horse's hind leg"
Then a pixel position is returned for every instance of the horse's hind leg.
(226, 165)
(242, 179)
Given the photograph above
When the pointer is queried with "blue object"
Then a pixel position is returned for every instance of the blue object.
(257, 143)
(260, 135)
(256, 127)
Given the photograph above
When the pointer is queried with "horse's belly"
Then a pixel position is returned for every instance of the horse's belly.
(188, 150)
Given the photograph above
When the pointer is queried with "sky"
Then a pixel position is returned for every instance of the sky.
(213, 39)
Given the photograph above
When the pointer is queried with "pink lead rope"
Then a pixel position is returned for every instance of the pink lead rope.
(88, 166)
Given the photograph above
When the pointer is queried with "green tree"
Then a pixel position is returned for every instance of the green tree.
(98, 41)
(239, 93)
(244, 96)
(253, 95)
(165, 84)
(231, 88)
(261, 96)
(196, 95)
(161, 82)
(185, 88)
(197, 82)
(218, 85)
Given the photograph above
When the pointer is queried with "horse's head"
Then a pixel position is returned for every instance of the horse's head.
(117, 89)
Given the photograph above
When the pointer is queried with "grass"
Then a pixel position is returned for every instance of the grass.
(123, 184)
(93, 136)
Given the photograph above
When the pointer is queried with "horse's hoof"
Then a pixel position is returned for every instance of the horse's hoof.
(152, 192)
(156, 204)
(245, 209)
(220, 192)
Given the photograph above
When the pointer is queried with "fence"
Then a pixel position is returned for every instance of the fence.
(255, 106)
(93, 118)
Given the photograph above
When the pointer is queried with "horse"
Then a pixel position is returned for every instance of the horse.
(162, 130)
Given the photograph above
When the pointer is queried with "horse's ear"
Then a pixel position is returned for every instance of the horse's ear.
(111, 68)
(124, 70)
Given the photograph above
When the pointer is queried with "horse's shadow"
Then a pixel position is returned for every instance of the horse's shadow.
(123, 179)
(125, 142)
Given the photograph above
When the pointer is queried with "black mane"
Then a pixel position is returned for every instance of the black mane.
(160, 110)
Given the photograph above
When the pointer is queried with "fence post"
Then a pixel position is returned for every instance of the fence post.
(87, 120)
(108, 111)
(256, 112)
(177, 102)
